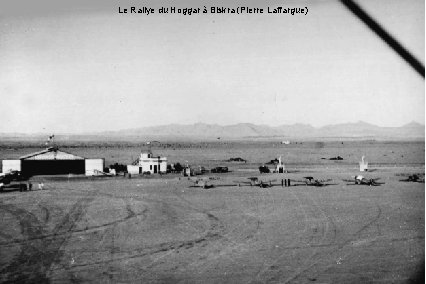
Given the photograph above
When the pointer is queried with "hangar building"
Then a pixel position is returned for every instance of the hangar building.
(52, 161)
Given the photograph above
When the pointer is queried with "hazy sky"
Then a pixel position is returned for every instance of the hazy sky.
(84, 67)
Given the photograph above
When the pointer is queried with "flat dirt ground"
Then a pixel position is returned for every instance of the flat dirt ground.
(158, 229)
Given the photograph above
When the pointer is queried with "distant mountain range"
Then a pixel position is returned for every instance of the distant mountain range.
(247, 130)
(356, 130)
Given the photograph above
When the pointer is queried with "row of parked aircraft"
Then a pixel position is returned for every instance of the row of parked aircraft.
(307, 181)
(206, 182)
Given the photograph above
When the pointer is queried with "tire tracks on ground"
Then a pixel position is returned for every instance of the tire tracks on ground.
(38, 253)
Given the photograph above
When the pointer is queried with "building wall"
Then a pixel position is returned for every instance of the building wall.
(163, 167)
(11, 165)
(92, 166)
(134, 170)
(149, 166)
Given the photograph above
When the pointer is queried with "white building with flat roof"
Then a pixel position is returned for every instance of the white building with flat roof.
(148, 163)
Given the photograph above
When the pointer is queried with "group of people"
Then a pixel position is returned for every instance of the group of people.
(30, 186)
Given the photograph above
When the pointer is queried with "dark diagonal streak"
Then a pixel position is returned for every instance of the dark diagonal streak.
(375, 27)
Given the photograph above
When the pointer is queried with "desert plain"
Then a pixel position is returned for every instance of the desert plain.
(160, 229)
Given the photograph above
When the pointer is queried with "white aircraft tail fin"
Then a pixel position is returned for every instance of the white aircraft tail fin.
(363, 165)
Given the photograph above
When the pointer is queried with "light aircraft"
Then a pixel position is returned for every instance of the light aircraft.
(360, 180)
(414, 178)
(101, 173)
(311, 181)
(204, 182)
(255, 181)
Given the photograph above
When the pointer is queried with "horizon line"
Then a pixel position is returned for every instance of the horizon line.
(100, 131)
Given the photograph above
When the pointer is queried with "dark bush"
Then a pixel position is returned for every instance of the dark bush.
(178, 167)
(264, 170)
(238, 159)
(118, 167)
(219, 170)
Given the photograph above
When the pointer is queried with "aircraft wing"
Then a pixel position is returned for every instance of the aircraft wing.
(268, 181)
(325, 180)
(243, 182)
(297, 180)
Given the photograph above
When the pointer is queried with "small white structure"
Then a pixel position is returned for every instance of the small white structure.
(94, 166)
(148, 163)
(188, 171)
(11, 165)
(286, 142)
(280, 166)
(363, 165)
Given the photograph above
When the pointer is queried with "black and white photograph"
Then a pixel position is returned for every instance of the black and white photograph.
(212, 141)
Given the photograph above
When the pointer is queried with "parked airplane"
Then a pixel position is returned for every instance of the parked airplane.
(360, 180)
(205, 182)
(311, 181)
(414, 178)
(255, 181)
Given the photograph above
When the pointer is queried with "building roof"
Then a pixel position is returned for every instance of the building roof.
(51, 153)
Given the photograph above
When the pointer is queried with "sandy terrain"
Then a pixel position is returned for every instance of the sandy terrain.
(161, 230)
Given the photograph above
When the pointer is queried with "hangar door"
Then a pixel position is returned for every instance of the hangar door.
(52, 167)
